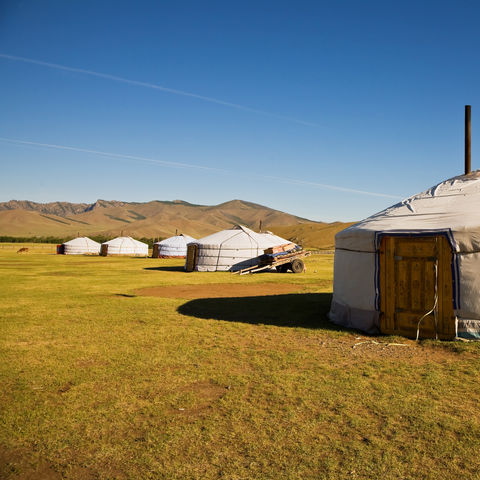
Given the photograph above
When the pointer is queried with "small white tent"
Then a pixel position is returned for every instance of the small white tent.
(175, 246)
(414, 268)
(80, 246)
(231, 249)
(124, 246)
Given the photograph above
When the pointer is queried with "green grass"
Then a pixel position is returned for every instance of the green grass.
(101, 383)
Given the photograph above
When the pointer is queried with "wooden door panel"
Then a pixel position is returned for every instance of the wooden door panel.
(407, 322)
(409, 247)
(412, 269)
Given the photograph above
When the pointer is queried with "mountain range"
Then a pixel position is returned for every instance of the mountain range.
(23, 218)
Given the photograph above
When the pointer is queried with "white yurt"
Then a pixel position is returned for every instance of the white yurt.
(124, 246)
(175, 247)
(80, 246)
(414, 268)
(232, 249)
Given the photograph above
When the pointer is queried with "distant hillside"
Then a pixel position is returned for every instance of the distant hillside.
(150, 219)
(313, 234)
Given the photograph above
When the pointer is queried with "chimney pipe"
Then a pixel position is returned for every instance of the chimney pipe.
(468, 140)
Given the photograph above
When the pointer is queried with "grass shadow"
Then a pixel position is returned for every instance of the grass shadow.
(307, 310)
(166, 269)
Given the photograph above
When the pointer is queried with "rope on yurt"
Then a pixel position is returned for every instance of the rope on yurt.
(435, 267)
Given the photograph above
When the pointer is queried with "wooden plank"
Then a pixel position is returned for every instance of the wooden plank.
(390, 283)
(446, 327)
(402, 273)
(415, 247)
(429, 285)
(416, 292)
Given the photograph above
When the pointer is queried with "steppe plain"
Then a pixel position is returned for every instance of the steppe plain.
(130, 368)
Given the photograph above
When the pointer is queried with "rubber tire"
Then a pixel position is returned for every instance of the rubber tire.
(297, 266)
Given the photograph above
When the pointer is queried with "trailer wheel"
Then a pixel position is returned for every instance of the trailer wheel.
(297, 266)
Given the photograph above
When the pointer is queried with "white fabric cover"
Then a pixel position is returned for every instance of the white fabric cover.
(126, 246)
(81, 246)
(451, 208)
(233, 249)
(175, 246)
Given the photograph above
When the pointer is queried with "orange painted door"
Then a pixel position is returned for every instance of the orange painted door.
(416, 277)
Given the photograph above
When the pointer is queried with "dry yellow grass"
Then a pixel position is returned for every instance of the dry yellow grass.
(100, 381)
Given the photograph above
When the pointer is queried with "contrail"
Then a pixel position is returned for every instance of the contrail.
(164, 163)
(156, 87)
(114, 155)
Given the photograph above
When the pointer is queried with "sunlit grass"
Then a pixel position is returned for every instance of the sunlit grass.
(100, 382)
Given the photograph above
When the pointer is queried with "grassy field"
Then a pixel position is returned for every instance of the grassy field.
(102, 377)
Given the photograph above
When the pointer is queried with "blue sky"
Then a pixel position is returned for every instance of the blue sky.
(364, 96)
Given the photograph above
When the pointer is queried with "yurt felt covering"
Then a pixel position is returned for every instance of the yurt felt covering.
(233, 249)
(175, 246)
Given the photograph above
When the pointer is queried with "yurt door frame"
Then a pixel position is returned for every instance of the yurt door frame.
(416, 288)
(192, 255)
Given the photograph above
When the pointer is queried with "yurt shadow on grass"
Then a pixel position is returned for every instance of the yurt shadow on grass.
(305, 310)
(167, 268)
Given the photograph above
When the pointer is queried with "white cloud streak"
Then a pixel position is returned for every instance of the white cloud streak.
(169, 164)
(138, 83)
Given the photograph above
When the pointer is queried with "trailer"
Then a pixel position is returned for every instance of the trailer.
(282, 262)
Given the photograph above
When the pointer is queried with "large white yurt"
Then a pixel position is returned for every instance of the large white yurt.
(232, 249)
(124, 246)
(414, 268)
(173, 247)
(80, 246)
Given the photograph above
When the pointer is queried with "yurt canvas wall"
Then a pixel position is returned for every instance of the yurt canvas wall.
(80, 246)
(173, 247)
(124, 246)
(414, 267)
(232, 249)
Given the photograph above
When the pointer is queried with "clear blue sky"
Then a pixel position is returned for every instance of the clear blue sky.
(364, 96)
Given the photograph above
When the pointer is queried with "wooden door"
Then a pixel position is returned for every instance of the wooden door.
(191, 261)
(413, 272)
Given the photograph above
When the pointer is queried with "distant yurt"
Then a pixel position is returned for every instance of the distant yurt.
(232, 250)
(173, 247)
(414, 268)
(79, 246)
(124, 246)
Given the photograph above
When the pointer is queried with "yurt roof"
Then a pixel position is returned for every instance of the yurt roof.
(181, 239)
(451, 206)
(241, 237)
(125, 241)
(82, 241)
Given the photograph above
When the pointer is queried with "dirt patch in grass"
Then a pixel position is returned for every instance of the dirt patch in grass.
(220, 290)
(197, 397)
(357, 349)
(15, 463)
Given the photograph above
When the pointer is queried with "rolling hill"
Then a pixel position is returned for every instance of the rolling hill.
(155, 219)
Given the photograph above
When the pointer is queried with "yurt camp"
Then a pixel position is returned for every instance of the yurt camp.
(173, 247)
(229, 250)
(79, 246)
(124, 246)
(414, 268)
